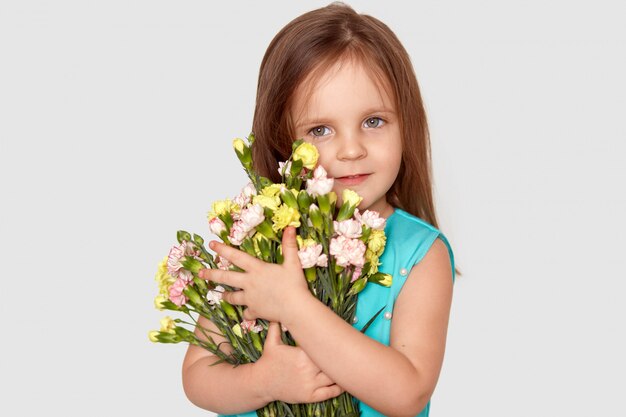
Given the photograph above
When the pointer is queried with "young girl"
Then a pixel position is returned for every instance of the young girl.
(343, 82)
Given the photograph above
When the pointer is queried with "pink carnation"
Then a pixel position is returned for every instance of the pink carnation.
(250, 325)
(372, 220)
(348, 228)
(215, 296)
(238, 233)
(348, 251)
(244, 197)
(175, 255)
(281, 165)
(311, 256)
(320, 184)
(223, 263)
(216, 226)
(252, 217)
(356, 274)
(176, 292)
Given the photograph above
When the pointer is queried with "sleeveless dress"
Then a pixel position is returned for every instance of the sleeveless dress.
(408, 240)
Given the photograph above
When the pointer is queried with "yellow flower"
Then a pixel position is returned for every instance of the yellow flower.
(222, 207)
(285, 216)
(239, 145)
(152, 335)
(272, 190)
(267, 202)
(158, 301)
(386, 282)
(351, 197)
(168, 325)
(376, 242)
(164, 279)
(256, 240)
(308, 154)
(309, 242)
(237, 330)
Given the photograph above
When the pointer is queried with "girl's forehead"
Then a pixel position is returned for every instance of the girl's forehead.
(308, 91)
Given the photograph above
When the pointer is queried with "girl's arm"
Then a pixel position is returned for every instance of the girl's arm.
(283, 373)
(396, 380)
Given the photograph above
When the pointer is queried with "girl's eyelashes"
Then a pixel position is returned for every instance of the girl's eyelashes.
(319, 131)
(369, 123)
(373, 122)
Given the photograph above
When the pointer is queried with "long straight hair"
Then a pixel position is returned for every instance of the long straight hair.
(307, 46)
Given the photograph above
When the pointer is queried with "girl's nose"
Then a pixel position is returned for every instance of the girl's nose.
(351, 147)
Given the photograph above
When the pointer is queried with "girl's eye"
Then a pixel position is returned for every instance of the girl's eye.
(319, 131)
(374, 122)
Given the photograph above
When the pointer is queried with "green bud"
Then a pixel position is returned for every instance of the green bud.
(229, 310)
(182, 235)
(191, 264)
(324, 203)
(358, 286)
(265, 228)
(316, 217)
(304, 201)
(256, 341)
(296, 167)
(193, 295)
(345, 212)
(310, 274)
(198, 240)
(288, 198)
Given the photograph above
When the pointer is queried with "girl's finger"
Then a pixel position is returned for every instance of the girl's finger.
(234, 297)
(234, 279)
(273, 335)
(290, 247)
(248, 315)
(322, 379)
(324, 393)
(235, 256)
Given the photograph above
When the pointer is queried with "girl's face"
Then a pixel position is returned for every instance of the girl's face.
(353, 122)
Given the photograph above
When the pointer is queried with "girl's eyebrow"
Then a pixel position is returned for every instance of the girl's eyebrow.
(322, 120)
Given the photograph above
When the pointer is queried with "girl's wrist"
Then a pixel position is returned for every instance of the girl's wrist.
(261, 381)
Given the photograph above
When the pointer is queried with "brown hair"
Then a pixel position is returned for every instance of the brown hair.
(313, 42)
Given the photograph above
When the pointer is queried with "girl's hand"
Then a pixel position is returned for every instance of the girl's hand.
(290, 374)
(269, 290)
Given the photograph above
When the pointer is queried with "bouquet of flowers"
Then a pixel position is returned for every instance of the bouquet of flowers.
(339, 249)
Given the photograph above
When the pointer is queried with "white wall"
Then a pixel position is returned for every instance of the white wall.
(116, 120)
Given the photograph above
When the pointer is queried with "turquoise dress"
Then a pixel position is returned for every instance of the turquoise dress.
(408, 240)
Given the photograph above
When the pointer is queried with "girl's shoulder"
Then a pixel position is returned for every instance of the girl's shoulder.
(410, 237)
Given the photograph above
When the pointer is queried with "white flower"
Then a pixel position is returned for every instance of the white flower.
(281, 165)
(348, 251)
(373, 220)
(223, 263)
(320, 184)
(246, 194)
(216, 226)
(238, 233)
(215, 296)
(309, 255)
(348, 228)
(252, 217)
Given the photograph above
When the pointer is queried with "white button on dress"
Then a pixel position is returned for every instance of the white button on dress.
(355, 319)
(387, 315)
(403, 272)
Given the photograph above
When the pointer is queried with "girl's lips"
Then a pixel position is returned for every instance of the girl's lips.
(353, 180)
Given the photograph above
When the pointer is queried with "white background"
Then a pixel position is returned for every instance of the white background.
(116, 121)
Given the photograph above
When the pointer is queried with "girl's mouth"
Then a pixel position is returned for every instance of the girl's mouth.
(352, 179)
